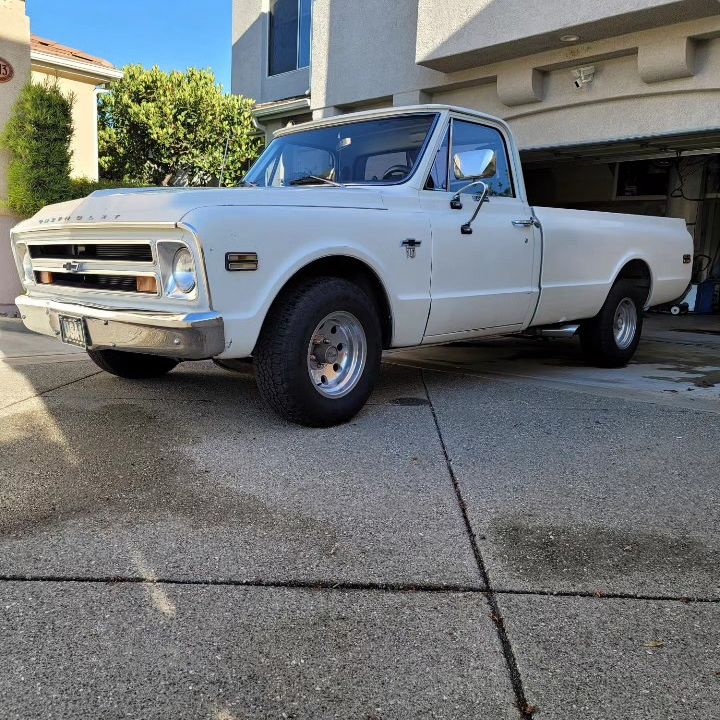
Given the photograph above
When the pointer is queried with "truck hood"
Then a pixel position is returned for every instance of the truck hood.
(152, 205)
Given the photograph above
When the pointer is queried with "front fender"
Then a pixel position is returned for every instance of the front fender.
(287, 239)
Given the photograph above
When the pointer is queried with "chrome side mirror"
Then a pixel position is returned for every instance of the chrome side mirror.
(475, 165)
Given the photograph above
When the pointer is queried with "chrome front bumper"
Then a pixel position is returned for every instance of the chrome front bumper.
(193, 336)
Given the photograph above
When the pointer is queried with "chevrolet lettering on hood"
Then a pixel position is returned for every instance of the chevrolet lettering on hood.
(78, 219)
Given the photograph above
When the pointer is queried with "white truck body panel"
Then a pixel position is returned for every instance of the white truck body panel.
(500, 279)
(585, 251)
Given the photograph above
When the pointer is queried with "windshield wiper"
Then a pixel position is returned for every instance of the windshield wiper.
(314, 180)
(247, 183)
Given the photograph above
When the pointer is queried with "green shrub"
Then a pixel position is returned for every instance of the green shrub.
(38, 137)
(163, 128)
(82, 187)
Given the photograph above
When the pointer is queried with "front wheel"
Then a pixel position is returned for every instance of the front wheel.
(611, 338)
(319, 352)
(134, 366)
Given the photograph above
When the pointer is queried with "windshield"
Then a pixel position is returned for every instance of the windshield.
(383, 151)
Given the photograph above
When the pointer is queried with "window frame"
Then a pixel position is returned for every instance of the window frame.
(446, 131)
(449, 128)
(268, 38)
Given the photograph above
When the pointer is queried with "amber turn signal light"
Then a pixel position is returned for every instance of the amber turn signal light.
(45, 277)
(147, 285)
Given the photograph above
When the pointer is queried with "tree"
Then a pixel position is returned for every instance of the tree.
(162, 128)
(38, 137)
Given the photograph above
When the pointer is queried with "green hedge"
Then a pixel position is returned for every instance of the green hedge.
(38, 137)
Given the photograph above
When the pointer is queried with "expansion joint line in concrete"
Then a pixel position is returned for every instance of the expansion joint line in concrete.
(52, 389)
(526, 711)
(348, 586)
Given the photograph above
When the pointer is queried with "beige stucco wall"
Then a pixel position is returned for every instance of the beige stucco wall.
(84, 141)
(655, 81)
(460, 34)
(15, 48)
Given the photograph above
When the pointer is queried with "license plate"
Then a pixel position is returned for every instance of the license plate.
(72, 331)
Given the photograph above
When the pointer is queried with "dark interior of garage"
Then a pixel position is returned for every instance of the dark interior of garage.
(670, 176)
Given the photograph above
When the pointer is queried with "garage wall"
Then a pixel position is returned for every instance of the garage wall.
(655, 81)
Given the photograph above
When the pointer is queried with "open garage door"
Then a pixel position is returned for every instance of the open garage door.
(672, 176)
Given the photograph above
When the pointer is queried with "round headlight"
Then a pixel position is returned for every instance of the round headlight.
(183, 270)
(27, 266)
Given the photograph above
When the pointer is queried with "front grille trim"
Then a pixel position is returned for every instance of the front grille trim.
(102, 282)
(125, 252)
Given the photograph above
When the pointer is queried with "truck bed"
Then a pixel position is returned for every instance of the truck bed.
(584, 251)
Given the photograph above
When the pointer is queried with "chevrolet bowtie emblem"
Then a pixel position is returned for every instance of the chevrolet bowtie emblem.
(71, 266)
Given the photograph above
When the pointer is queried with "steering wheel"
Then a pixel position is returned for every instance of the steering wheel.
(400, 171)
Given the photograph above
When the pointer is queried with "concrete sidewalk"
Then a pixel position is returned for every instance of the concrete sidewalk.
(501, 533)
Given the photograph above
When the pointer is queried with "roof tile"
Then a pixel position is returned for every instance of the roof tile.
(63, 51)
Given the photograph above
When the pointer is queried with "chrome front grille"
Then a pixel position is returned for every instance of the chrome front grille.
(109, 265)
(94, 265)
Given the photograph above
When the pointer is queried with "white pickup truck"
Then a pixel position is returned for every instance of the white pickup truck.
(374, 230)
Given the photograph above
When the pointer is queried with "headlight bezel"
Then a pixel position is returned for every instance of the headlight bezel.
(167, 252)
(24, 263)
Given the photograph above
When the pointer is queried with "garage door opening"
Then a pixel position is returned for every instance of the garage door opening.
(669, 177)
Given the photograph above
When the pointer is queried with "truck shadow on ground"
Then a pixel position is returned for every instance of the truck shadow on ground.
(101, 456)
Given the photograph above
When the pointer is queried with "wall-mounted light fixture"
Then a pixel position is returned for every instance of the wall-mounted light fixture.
(583, 76)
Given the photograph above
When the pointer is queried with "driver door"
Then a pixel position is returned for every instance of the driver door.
(484, 281)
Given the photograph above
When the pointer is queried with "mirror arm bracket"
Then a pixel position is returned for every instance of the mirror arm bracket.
(455, 202)
(466, 229)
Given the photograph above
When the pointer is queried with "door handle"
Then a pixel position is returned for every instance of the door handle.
(523, 223)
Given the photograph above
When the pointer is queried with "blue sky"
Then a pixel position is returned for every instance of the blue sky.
(174, 34)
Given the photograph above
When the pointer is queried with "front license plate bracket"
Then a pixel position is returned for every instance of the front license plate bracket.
(73, 331)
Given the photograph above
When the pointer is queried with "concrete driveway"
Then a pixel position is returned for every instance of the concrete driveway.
(502, 533)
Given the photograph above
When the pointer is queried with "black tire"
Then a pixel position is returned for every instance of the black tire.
(281, 354)
(133, 366)
(242, 365)
(597, 336)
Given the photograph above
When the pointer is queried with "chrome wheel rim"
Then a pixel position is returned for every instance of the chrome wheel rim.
(625, 324)
(337, 353)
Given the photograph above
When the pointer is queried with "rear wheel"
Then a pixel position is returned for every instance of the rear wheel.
(611, 338)
(319, 352)
(134, 366)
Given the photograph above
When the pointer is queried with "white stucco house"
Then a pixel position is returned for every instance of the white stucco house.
(615, 104)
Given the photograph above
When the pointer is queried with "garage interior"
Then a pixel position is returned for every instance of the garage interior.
(671, 176)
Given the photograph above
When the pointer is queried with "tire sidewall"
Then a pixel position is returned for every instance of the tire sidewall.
(318, 301)
(624, 291)
(599, 337)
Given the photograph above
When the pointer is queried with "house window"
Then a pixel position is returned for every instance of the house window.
(289, 36)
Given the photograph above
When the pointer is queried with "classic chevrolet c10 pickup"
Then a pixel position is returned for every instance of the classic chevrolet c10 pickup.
(350, 235)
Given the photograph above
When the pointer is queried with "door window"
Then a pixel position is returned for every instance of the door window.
(468, 136)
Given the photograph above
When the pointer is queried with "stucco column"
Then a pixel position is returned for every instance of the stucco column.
(326, 112)
(413, 97)
(15, 60)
